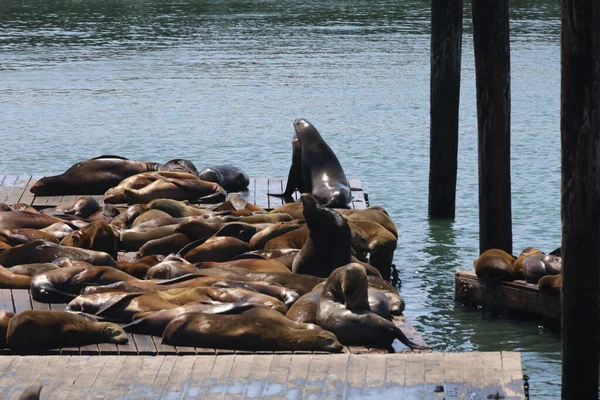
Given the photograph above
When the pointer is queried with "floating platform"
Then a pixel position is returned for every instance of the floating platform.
(448, 376)
(515, 295)
(15, 189)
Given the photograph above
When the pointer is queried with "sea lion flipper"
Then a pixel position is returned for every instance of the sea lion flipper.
(115, 301)
(32, 392)
(409, 343)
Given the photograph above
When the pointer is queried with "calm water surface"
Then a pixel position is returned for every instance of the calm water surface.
(221, 82)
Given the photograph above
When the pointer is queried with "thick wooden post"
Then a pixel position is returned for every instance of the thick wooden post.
(446, 50)
(580, 201)
(492, 78)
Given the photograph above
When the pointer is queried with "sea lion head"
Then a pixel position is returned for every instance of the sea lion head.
(113, 333)
(325, 340)
(354, 284)
(305, 131)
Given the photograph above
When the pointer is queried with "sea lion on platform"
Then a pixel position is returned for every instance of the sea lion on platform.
(240, 230)
(5, 317)
(134, 238)
(329, 244)
(315, 169)
(256, 265)
(245, 332)
(171, 267)
(175, 208)
(165, 245)
(217, 248)
(374, 215)
(344, 310)
(381, 245)
(59, 230)
(495, 265)
(294, 209)
(539, 265)
(17, 236)
(126, 217)
(138, 268)
(294, 239)
(260, 238)
(32, 269)
(518, 265)
(551, 284)
(83, 207)
(34, 330)
(98, 236)
(25, 219)
(229, 177)
(41, 251)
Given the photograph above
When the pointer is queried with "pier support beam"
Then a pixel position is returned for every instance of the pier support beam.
(580, 197)
(492, 78)
(446, 50)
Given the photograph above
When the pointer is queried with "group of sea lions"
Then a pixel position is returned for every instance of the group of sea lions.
(304, 276)
(532, 265)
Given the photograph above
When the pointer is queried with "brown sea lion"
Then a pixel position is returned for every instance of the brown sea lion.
(231, 178)
(294, 239)
(165, 245)
(153, 214)
(539, 265)
(10, 280)
(198, 227)
(266, 218)
(83, 207)
(175, 208)
(495, 265)
(217, 248)
(315, 169)
(98, 236)
(260, 239)
(171, 267)
(344, 310)
(374, 215)
(126, 217)
(244, 332)
(35, 330)
(551, 284)
(295, 209)
(134, 238)
(15, 237)
(139, 267)
(32, 269)
(25, 219)
(518, 265)
(329, 244)
(239, 230)
(40, 251)
(381, 245)
(305, 308)
(249, 264)
(5, 317)
(59, 230)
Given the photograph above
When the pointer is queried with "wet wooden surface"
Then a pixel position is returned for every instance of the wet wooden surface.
(15, 189)
(447, 376)
(516, 295)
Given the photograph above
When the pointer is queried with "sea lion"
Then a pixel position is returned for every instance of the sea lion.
(83, 207)
(270, 218)
(32, 269)
(539, 265)
(551, 284)
(5, 317)
(40, 251)
(374, 215)
(381, 245)
(138, 268)
(245, 332)
(315, 169)
(495, 265)
(25, 219)
(15, 237)
(518, 265)
(295, 209)
(171, 267)
(329, 244)
(217, 248)
(59, 230)
(165, 245)
(257, 265)
(134, 238)
(126, 217)
(229, 177)
(294, 239)
(98, 236)
(260, 238)
(344, 310)
(151, 215)
(34, 330)
(240, 230)
(175, 208)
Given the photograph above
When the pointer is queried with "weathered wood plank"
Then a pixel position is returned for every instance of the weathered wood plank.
(262, 187)
(275, 186)
(515, 295)
(18, 188)
(144, 344)
(88, 375)
(454, 376)
(278, 373)
(17, 377)
(180, 377)
(336, 376)
(199, 376)
(124, 382)
(474, 382)
(108, 349)
(238, 378)
(415, 377)
(21, 300)
(395, 378)
(7, 187)
(298, 376)
(215, 385)
(355, 376)
(27, 197)
(315, 385)
(67, 201)
(163, 348)
(106, 377)
(257, 378)
(162, 378)
(492, 373)
(128, 348)
(375, 378)
(434, 375)
(146, 377)
(6, 301)
(512, 375)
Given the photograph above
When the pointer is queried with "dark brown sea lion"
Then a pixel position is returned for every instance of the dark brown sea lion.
(329, 244)
(25, 219)
(139, 268)
(315, 169)
(518, 265)
(134, 238)
(245, 332)
(217, 248)
(270, 218)
(15, 237)
(154, 323)
(83, 207)
(344, 310)
(5, 317)
(153, 214)
(64, 284)
(240, 230)
(41, 251)
(59, 230)
(32, 269)
(495, 265)
(126, 217)
(34, 330)
(294, 239)
(165, 245)
(539, 265)
(551, 284)
(381, 245)
(198, 227)
(260, 239)
(98, 236)
(229, 177)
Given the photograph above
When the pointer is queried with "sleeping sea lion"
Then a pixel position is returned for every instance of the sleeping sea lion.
(5, 317)
(218, 249)
(315, 169)
(229, 177)
(98, 236)
(35, 330)
(539, 265)
(495, 265)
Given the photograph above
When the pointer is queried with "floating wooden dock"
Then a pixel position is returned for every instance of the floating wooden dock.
(515, 295)
(449, 376)
(15, 189)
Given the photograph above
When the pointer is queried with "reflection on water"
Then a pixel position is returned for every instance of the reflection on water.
(220, 82)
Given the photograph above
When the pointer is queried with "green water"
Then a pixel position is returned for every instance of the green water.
(221, 82)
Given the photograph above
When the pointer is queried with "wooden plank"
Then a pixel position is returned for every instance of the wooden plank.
(454, 376)
(275, 186)
(298, 375)
(109, 373)
(18, 188)
(395, 378)
(515, 295)
(415, 376)
(434, 375)
(2, 179)
(129, 348)
(278, 373)
(27, 197)
(315, 379)
(336, 376)
(474, 377)
(238, 378)
(86, 379)
(492, 374)
(185, 350)
(142, 386)
(199, 376)
(179, 380)
(90, 350)
(355, 377)
(375, 378)
(257, 377)
(67, 202)
(144, 344)
(512, 376)
(215, 384)
(21, 300)
(73, 368)
(163, 349)
(106, 349)
(7, 187)
(18, 376)
(358, 196)
(126, 379)
(6, 301)
(261, 187)
(252, 191)
(36, 305)
(29, 376)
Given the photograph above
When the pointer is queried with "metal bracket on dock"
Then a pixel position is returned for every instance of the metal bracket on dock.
(526, 385)
(367, 200)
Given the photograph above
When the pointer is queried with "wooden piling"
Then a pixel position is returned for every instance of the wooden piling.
(446, 50)
(580, 201)
(492, 78)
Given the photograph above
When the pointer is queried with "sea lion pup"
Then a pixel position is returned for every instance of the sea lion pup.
(138, 268)
(98, 236)
(63, 284)
(118, 307)
(344, 310)
(83, 207)
(260, 238)
(539, 265)
(245, 332)
(5, 317)
(32, 269)
(25, 219)
(154, 322)
(218, 249)
(15, 237)
(315, 169)
(229, 177)
(551, 284)
(329, 243)
(34, 330)
(32, 392)
(494, 266)
(164, 246)
(10, 280)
